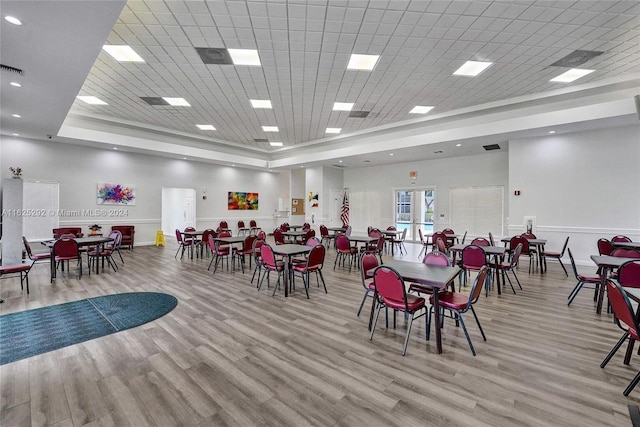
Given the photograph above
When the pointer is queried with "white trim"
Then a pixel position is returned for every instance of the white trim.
(582, 230)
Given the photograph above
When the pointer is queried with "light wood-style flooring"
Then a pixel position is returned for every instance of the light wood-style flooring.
(231, 355)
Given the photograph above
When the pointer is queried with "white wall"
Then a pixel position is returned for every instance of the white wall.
(585, 185)
(78, 170)
(471, 171)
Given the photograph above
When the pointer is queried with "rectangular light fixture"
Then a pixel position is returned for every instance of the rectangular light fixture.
(122, 53)
(420, 109)
(571, 75)
(270, 128)
(244, 56)
(276, 144)
(472, 68)
(333, 130)
(362, 62)
(92, 100)
(261, 103)
(177, 102)
(342, 106)
(206, 127)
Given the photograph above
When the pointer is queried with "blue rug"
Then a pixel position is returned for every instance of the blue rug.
(32, 332)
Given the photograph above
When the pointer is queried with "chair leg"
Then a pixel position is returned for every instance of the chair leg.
(427, 331)
(375, 320)
(466, 333)
(574, 292)
(614, 349)
(179, 246)
(517, 280)
(632, 384)
(406, 338)
(504, 274)
(478, 322)
(322, 278)
(364, 298)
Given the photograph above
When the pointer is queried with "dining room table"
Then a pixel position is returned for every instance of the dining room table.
(495, 252)
(287, 252)
(628, 245)
(294, 236)
(82, 242)
(193, 235)
(432, 277)
(606, 264)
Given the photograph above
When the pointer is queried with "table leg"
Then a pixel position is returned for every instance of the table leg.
(436, 322)
(603, 279)
(285, 276)
(498, 285)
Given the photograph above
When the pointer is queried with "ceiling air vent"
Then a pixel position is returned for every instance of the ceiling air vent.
(576, 58)
(10, 69)
(260, 140)
(339, 166)
(491, 147)
(214, 55)
(154, 100)
(359, 114)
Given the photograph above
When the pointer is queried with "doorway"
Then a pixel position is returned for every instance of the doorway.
(178, 209)
(414, 210)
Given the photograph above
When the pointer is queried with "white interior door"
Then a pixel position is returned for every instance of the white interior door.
(178, 209)
(334, 208)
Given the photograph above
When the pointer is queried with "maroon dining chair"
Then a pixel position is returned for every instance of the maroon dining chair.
(629, 274)
(315, 261)
(242, 229)
(458, 304)
(246, 250)
(345, 250)
(582, 280)
(257, 258)
(204, 243)
(224, 225)
(325, 236)
(66, 250)
(35, 258)
(269, 264)
(440, 245)
(505, 267)
(424, 242)
(102, 253)
(626, 320)
(473, 259)
(220, 252)
(253, 227)
(480, 241)
(435, 258)
(526, 249)
(621, 238)
(604, 247)
(390, 292)
(278, 237)
(182, 243)
(368, 262)
(434, 238)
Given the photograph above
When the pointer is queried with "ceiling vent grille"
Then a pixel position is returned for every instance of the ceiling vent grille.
(359, 114)
(11, 69)
(154, 100)
(339, 166)
(491, 147)
(214, 55)
(260, 140)
(576, 58)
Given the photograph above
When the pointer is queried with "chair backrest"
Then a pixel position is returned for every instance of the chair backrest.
(212, 243)
(604, 247)
(573, 264)
(380, 244)
(342, 243)
(391, 228)
(306, 226)
(316, 256)
(517, 240)
(178, 236)
(253, 223)
(516, 255)
(441, 245)
(257, 244)
(389, 284)
(438, 235)
(474, 256)
(223, 224)
(629, 274)
(266, 253)
(448, 231)
(464, 237)
(437, 258)
(247, 246)
(564, 248)
(347, 232)
(312, 241)
(374, 232)
(277, 236)
(284, 227)
(262, 235)
(404, 235)
(621, 238)
(480, 241)
(116, 235)
(324, 231)
(622, 308)
(27, 246)
(208, 232)
(421, 236)
(189, 229)
(66, 248)
(626, 253)
(367, 263)
(240, 224)
(68, 236)
(481, 278)
(226, 233)
(493, 242)
(310, 233)
(529, 235)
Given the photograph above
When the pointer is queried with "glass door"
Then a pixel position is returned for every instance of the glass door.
(415, 210)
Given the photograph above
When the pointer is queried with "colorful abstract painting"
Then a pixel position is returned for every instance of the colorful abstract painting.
(242, 201)
(116, 194)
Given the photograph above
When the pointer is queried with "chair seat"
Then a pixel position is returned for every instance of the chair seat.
(413, 303)
(38, 257)
(453, 300)
(590, 279)
(552, 254)
(472, 267)
(14, 268)
(66, 258)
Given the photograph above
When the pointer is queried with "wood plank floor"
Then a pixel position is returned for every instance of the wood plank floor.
(232, 355)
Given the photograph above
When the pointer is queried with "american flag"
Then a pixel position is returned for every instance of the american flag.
(344, 212)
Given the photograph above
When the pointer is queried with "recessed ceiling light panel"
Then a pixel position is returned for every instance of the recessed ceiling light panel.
(15, 84)
(13, 20)
(472, 68)
(206, 127)
(261, 103)
(91, 100)
(276, 144)
(270, 128)
(362, 62)
(177, 102)
(571, 75)
(244, 56)
(122, 53)
(333, 130)
(420, 109)
(342, 106)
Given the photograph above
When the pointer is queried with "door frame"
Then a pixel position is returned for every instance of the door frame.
(413, 225)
